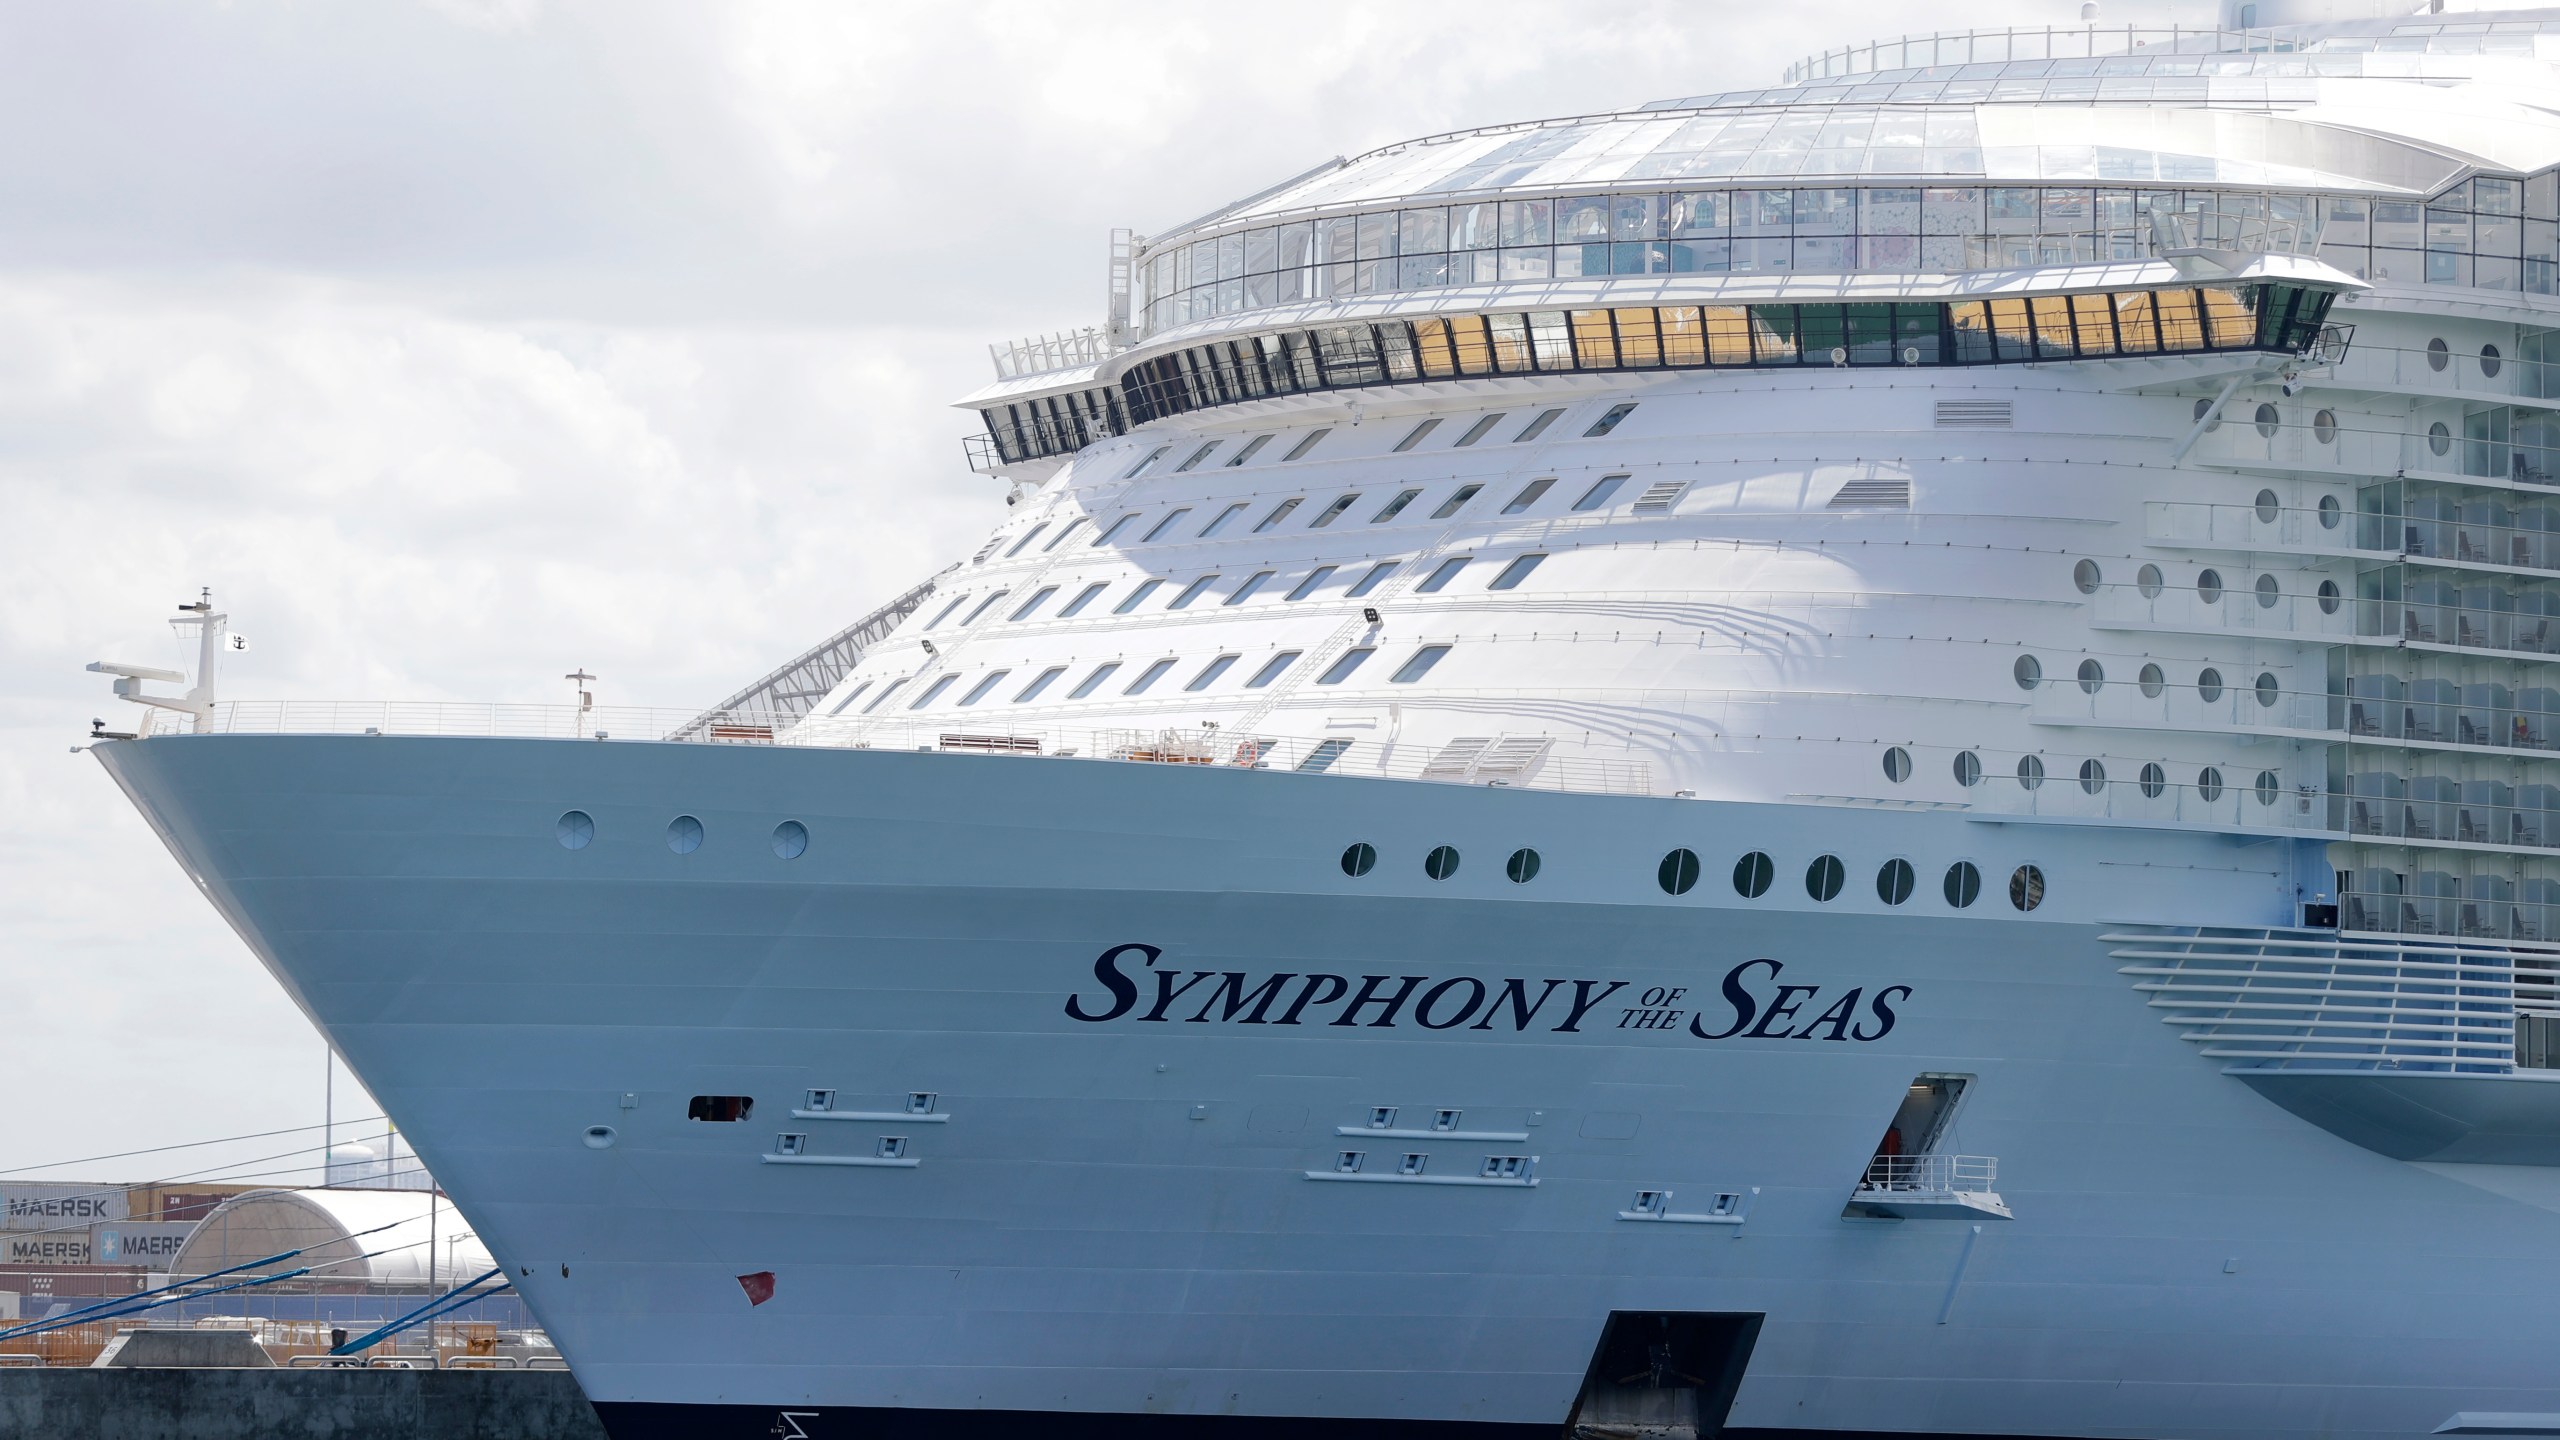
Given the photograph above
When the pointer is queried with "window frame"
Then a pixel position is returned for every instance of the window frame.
(1443, 573)
(1314, 582)
(1039, 683)
(1093, 682)
(1419, 663)
(1346, 664)
(1520, 568)
(1530, 494)
(1147, 678)
(1377, 576)
(1138, 597)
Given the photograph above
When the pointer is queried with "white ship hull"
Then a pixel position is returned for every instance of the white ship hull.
(1133, 1223)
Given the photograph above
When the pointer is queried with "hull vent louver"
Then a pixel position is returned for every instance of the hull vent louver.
(1660, 496)
(1976, 414)
(1895, 493)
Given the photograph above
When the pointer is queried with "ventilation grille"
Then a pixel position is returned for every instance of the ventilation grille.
(1660, 496)
(1895, 493)
(1976, 414)
(1483, 758)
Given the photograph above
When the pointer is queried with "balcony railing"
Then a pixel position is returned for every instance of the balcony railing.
(2479, 533)
(1043, 353)
(1912, 1176)
(1978, 47)
(2269, 435)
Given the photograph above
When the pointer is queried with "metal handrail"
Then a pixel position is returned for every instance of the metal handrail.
(2049, 42)
(1929, 1174)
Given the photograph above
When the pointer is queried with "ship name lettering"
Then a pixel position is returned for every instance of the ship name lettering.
(1387, 1002)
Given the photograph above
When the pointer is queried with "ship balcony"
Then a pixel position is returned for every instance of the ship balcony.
(2480, 534)
(2299, 437)
(2487, 374)
(2436, 615)
(1925, 1187)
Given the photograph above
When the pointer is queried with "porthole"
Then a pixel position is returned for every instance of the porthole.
(2147, 580)
(2204, 408)
(599, 1137)
(2093, 777)
(1751, 875)
(1897, 764)
(2093, 677)
(2030, 772)
(1823, 877)
(2268, 507)
(684, 834)
(2209, 586)
(2085, 577)
(2491, 362)
(2439, 354)
(2208, 784)
(2155, 782)
(2268, 690)
(2439, 439)
(2026, 887)
(1441, 863)
(1968, 768)
(2209, 685)
(1677, 872)
(577, 830)
(790, 839)
(2267, 420)
(2028, 672)
(1359, 860)
(2268, 787)
(2153, 681)
(2324, 428)
(1522, 867)
(2330, 598)
(2269, 591)
(1963, 885)
(1894, 882)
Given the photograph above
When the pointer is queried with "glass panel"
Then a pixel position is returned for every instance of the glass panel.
(2053, 327)
(2093, 317)
(2180, 326)
(1728, 335)
(1639, 344)
(1431, 345)
(1684, 338)
(2231, 315)
(2137, 321)
(1510, 343)
(1467, 337)
(1594, 344)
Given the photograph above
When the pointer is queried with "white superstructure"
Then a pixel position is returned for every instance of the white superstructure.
(1574, 794)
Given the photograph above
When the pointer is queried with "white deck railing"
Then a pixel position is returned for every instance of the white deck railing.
(1910, 1175)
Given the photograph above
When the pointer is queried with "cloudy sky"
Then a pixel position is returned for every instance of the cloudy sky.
(462, 343)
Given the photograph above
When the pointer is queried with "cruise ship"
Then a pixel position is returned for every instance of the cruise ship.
(1874, 757)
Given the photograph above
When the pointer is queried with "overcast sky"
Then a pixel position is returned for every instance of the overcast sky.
(462, 343)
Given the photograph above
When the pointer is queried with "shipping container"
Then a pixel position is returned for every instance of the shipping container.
(48, 1204)
(189, 1201)
(139, 1242)
(46, 1247)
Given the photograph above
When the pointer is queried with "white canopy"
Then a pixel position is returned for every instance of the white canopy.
(330, 1227)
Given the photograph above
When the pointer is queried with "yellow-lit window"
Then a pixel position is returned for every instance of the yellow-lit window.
(1728, 335)
(2180, 328)
(2136, 318)
(1511, 343)
(1684, 342)
(2094, 318)
(2230, 317)
(1431, 347)
(2053, 324)
(2009, 322)
(1638, 342)
(1466, 335)
(1595, 347)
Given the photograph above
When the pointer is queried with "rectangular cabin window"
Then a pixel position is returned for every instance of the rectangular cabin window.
(1302, 447)
(1457, 502)
(883, 697)
(1027, 537)
(1152, 456)
(1440, 576)
(1197, 456)
(1251, 583)
(1210, 672)
(1117, 526)
(1395, 507)
(1608, 422)
(1530, 494)
(1214, 526)
(982, 608)
(1038, 598)
(979, 691)
(1477, 431)
(1419, 666)
(1251, 448)
(1307, 587)
(1376, 577)
(1537, 427)
(1093, 682)
(1321, 758)
(1145, 589)
(1598, 495)
(1278, 513)
(720, 1109)
(1072, 527)
(1272, 669)
(1340, 670)
(1515, 572)
(1148, 677)
(945, 612)
(1333, 512)
(932, 692)
(1191, 592)
(1083, 598)
(1165, 524)
(849, 697)
(1039, 683)
(1414, 436)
